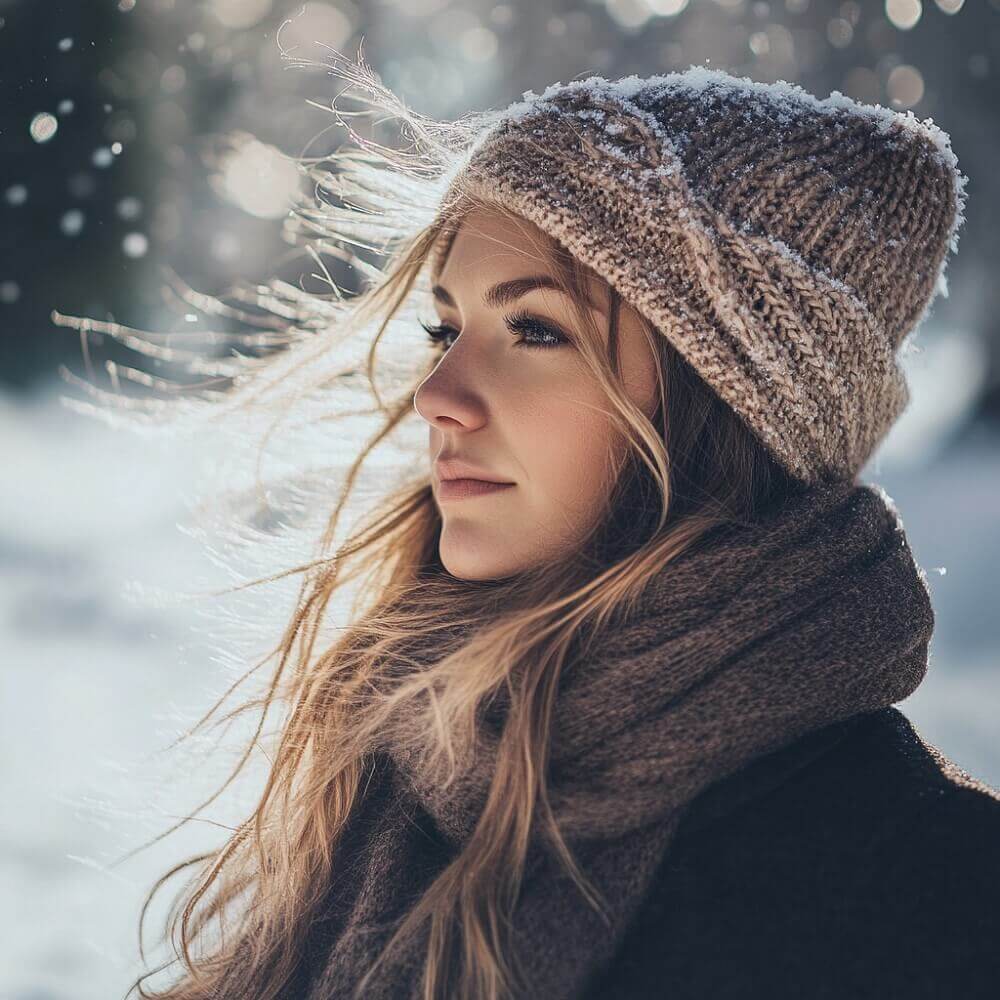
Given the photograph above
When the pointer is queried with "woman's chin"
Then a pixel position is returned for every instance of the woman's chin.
(469, 558)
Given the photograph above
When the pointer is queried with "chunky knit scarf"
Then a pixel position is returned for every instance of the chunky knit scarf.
(745, 643)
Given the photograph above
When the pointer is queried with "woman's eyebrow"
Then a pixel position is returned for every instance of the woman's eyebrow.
(505, 292)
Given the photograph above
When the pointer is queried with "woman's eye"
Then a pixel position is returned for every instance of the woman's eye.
(531, 332)
(438, 334)
(534, 332)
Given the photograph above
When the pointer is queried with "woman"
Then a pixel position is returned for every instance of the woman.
(614, 715)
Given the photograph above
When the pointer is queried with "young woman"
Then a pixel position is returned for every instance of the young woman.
(613, 712)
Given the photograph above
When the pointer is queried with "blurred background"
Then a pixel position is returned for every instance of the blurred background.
(145, 162)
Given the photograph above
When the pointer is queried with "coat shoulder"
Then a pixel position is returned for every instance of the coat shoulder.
(876, 766)
(859, 861)
(885, 775)
(940, 802)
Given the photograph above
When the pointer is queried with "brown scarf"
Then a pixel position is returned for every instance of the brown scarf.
(742, 646)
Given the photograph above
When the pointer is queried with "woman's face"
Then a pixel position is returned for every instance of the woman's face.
(531, 416)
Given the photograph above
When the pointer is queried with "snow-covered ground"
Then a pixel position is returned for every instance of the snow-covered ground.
(94, 685)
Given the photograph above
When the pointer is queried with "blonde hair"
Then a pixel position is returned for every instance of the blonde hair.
(694, 467)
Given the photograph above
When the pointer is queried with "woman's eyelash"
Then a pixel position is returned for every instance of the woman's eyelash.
(521, 323)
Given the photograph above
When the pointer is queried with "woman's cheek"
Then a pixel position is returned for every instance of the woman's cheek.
(579, 471)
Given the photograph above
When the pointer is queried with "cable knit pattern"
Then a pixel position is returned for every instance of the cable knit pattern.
(785, 245)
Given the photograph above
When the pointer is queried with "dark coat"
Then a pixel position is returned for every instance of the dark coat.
(856, 863)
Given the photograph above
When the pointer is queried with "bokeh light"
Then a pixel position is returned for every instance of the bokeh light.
(314, 23)
(43, 126)
(259, 178)
(135, 245)
(72, 222)
(240, 13)
(839, 32)
(774, 45)
(905, 86)
(478, 44)
(173, 79)
(904, 14)
(416, 9)
(629, 14)
(129, 207)
(667, 8)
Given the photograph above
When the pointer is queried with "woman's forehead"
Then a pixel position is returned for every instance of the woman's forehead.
(511, 234)
(514, 236)
(520, 235)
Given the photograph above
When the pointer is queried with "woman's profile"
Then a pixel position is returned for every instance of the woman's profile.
(612, 713)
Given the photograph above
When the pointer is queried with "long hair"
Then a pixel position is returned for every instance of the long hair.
(237, 926)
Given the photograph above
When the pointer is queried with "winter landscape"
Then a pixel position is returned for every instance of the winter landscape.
(149, 135)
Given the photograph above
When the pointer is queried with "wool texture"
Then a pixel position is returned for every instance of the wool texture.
(786, 246)
(757, 636)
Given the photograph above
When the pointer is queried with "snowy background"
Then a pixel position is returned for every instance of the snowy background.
(141, 154)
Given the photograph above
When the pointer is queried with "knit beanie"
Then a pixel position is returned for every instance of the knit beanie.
(784, 245)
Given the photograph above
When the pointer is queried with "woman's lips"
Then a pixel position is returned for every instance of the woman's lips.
(459, 489)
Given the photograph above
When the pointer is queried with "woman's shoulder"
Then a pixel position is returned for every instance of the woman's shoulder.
(875, 769)
(933, 796)
(858, 861)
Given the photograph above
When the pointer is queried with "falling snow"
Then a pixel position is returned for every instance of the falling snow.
(135, 245)
(129, 208)
(72, 222)
(43, 126)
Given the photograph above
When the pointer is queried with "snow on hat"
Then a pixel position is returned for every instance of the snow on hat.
(784, 245)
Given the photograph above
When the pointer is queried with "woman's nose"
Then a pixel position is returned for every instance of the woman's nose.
(449, 396)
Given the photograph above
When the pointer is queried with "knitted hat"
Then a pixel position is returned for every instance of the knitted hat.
(785, 245)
